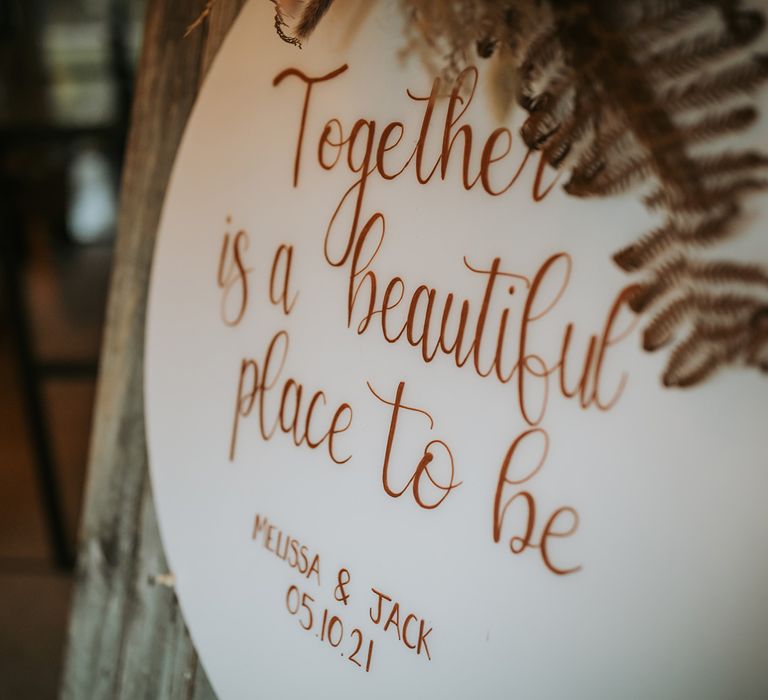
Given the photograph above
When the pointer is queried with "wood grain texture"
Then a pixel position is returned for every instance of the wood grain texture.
(127, 639)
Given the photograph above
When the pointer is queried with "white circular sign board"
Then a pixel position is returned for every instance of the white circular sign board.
(330, 302)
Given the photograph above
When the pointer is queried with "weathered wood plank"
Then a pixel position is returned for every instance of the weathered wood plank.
(126, 637)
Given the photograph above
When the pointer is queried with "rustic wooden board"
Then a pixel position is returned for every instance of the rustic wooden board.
(127, 638)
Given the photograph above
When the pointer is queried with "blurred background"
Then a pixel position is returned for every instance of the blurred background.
(66, 77)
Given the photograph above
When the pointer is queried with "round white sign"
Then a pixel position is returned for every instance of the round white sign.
(403, 439)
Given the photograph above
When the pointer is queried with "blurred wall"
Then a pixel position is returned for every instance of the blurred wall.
(66, 74)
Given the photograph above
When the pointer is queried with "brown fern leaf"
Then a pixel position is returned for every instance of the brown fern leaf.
(719, 124)
(728, 163)
(649, 19)
(541, 53)
(729, 82)
(757, 344)
(689, 54)
(697, 358)
(664, 279)
(710, 346)
(709, 275)
(645, 250)
(539, 126)
(612, 179)
(706, 128)
(571, 132)
(616, 144)
(728, 272)
(685, 200)
(648, 248)
(310, 12)
(313, 12)
(725, 307)
(281, 25)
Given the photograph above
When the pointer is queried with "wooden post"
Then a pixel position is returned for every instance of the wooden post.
(127, 639)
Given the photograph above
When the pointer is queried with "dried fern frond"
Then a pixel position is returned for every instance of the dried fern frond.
(305, 15)
(688, 55)
(619, 94)
(455, 32)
